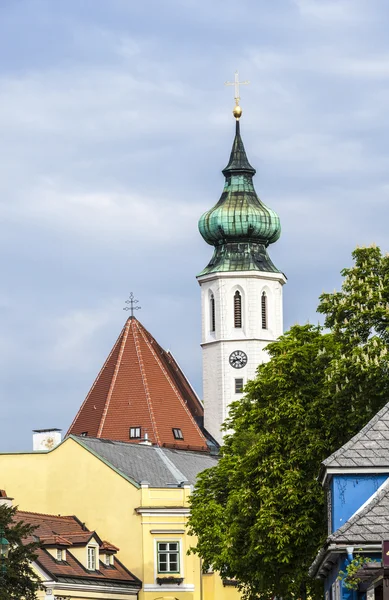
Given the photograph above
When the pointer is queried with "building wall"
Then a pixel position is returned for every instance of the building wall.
(70, 480)
(218, 375)
(349, 493)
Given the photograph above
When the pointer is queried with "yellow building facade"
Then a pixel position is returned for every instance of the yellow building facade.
(105, 484)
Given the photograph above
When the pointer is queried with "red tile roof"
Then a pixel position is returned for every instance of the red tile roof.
(50, 528)
(141, 385)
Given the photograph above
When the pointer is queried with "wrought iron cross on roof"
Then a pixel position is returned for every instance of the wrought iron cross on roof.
(237, 83)
(132, 302)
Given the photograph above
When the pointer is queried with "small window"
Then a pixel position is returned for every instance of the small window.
(59, 554)
(264, 310)
(91, 558)
(178, 435)
(135, 432)
(237, 309)
(168, 557)
(84, 434)
(212, 309)
(107, 560)
(238, 386)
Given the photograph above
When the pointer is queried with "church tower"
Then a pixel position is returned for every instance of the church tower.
(241, 289)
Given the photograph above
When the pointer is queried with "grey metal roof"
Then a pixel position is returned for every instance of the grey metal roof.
(368, 448)
(369, 525)
(160, 467)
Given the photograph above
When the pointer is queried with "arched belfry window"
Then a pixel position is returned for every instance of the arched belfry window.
(212, 312)
(237, 309)
(264, 310)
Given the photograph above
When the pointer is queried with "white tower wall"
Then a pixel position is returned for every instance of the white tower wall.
(218, 374)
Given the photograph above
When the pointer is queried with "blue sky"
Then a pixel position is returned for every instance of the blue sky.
(115, 126)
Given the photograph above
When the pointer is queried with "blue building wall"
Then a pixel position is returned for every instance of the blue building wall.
(331, 582)
(349, 492)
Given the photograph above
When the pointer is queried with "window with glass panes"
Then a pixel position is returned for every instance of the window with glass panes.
(91, 558)
(168, 557)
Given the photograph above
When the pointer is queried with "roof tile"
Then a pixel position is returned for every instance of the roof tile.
(51, 527)
(371, 444)
(141, 385)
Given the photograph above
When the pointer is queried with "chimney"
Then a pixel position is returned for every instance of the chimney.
(45, 439)
(145, 441)
(4, 500)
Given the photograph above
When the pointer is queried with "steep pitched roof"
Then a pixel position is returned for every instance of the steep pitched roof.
(160, 467)
(368, 448)
(370, 524)
(141, 385)
(52, 530)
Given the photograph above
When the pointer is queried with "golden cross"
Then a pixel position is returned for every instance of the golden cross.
(237, 83)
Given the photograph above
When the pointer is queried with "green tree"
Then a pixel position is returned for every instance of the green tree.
(17, 578)
(259, 515)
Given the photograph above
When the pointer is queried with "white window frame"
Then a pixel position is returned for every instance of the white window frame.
(177, 552)
(177, 433)
(60, 555)
(95, 550)
(135, 430)
(108, 562)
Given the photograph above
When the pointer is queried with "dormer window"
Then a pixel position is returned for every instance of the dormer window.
(109, 560)
(135, 433)
(91, 558)
(61, 555)
(178, 435)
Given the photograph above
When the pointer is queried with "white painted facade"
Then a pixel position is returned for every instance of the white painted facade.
(251, 338)
(45, 439)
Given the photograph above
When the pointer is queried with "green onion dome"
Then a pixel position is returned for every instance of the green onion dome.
(239, 226)
(239, 216)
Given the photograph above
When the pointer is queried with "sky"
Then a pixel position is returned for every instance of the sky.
(115, 125)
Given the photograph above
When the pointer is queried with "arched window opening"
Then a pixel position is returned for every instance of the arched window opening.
(237, 309)
(212, 309)
(264, 310)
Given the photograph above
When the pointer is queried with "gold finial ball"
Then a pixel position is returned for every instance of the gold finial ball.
(237, 112)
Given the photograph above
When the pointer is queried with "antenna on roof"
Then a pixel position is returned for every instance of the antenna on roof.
(132, 302)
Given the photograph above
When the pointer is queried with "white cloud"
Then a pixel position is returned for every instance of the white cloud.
(110, 217)
(343, 11)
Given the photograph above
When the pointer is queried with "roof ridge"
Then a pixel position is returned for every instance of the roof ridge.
(172, 385)
(125, 331)
(96, 380)
(29, 512)
(180, 477)
(363, 510)
(144, 381)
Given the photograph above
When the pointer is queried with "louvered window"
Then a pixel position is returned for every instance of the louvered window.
(238, 386)
(237, 309)
(212, 309)
(264, 310)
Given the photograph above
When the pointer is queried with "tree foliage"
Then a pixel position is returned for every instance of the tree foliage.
(259, 515)
(17, 578)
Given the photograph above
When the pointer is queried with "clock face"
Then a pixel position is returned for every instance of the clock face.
(238, 359)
